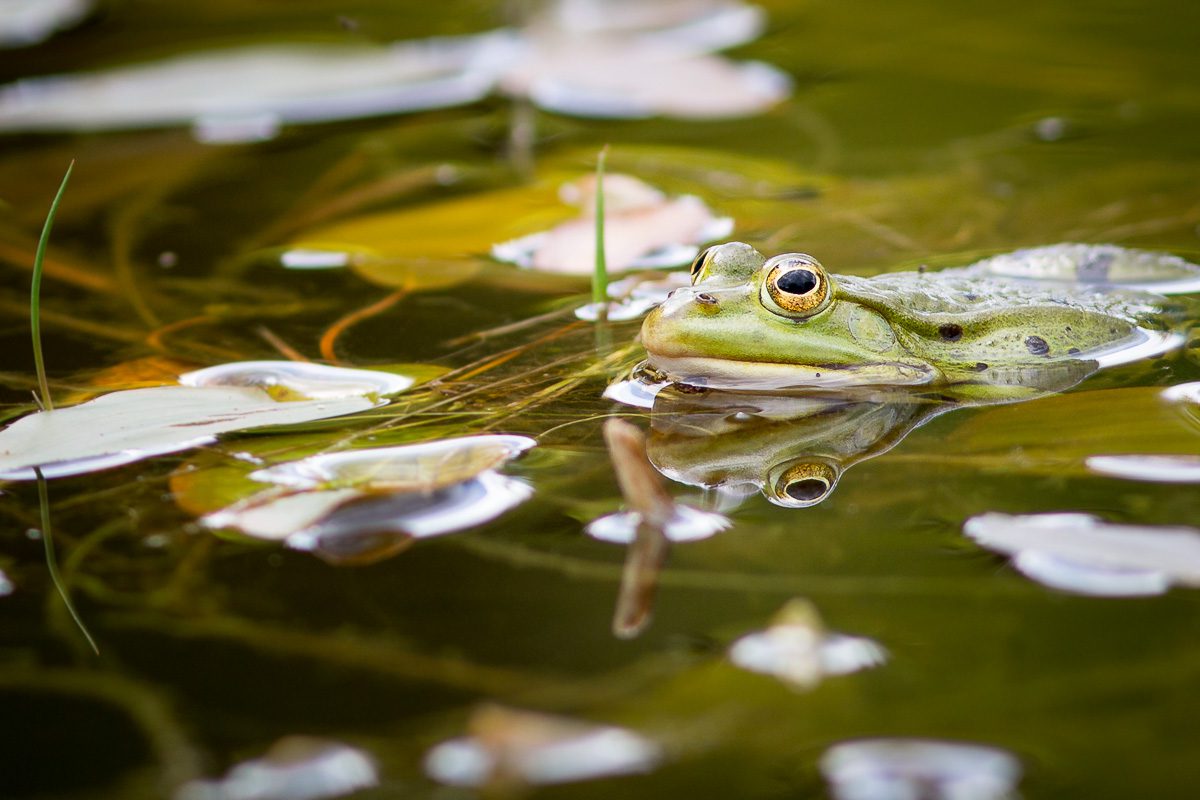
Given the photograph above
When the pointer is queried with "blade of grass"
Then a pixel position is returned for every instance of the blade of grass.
(35, 294)
(52, 563)
(600, 273)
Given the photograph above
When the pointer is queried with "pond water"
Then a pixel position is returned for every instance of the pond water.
(928, 133)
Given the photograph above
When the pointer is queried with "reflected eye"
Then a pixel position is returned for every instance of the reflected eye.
(805, 484)
(701, 260)
(795, 285)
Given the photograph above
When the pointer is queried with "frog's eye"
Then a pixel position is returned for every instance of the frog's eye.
(701, 262)
(804, 484)
(795, 285)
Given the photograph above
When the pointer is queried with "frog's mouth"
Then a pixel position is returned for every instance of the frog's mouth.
(762, 375)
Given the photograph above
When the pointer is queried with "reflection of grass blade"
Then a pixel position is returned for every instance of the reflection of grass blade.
(35, 295)
(51, 562)
(600, 273)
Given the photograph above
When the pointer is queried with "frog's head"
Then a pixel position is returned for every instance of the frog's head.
(767, 323)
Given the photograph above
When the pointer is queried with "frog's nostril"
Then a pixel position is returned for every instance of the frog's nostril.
(706, 298)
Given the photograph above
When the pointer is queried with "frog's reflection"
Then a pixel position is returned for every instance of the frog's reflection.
(794, 448)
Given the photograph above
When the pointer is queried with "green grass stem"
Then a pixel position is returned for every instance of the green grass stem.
(51, 561)
(35, 295)
(600, 273)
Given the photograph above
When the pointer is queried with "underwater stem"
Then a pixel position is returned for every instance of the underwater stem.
(51, 562)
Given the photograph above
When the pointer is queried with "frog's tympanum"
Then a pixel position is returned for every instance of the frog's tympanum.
(751, 322)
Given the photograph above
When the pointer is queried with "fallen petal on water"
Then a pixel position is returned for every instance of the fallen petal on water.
(361, 506)
(288, 380)
(633, 80)
(908, 769)
(1070, 576)
(1081, 553)
(1183, 393)
(359, 530)
(686, 525)
(244, 88)
(510, 747)
(26, 22)
(643, 229)
(302, 259)
(798, 650)
(420, 467)
(700, 25)
(1156, 469)
(622, 311)
(295, 768)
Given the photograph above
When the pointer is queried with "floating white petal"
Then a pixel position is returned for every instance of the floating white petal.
(277, 84)
(295, 768)
(535, 749)
(799, 651)
(360, 505)
(643, 229)
(1080, 553)
(686, 525)
(1057, 572)
(1183, 393)
(414, 467)
(26, 22)
(1155, 469)
(311, 381)
(907, 769)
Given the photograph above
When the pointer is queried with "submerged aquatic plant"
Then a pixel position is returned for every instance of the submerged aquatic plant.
(52, 562)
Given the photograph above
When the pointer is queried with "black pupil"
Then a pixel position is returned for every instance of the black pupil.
(698, 262)
(806, 490)
(798, 281)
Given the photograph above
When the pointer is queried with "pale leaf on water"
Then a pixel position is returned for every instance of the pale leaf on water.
(128, 426)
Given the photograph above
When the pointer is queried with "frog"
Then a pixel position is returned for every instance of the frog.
(758, 323)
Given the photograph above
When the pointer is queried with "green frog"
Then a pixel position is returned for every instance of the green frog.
(748, 322)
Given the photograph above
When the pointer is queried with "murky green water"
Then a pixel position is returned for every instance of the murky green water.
(917, 135)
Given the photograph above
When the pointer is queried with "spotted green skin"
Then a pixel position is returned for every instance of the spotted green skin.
(964, 326)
